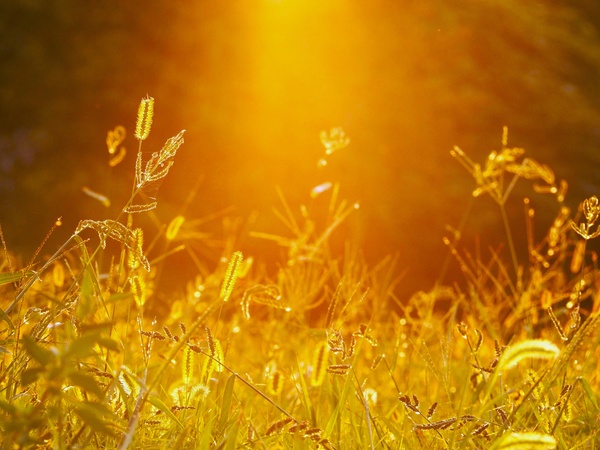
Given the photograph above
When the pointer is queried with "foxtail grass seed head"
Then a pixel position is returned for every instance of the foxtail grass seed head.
(502, 414)
(538, 388)
(219, 356)
(339, 369)
(125, 383)
(349, 349)
(137, 244)
(277, 426)
(187, 366)
(144, 118)
(58, 275)
(439, 425)
(231, 276)
(416, 401)
(431, 410)
(210, 340)
(275, 383)
(298, 427)
(319, 364)
(154, 335)
(530, 349)
(335, 341)
(525, 441)
(168, 333)
(138, 289)
(480, 429)
(498, 349)
(215, 356)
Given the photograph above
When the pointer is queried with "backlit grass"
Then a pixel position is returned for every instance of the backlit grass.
(319, 353)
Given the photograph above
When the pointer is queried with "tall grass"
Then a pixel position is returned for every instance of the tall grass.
(319, 353)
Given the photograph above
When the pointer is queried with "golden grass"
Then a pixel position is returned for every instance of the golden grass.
(318, 354)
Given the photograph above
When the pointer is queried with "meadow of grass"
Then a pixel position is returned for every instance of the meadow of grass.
(319, 353)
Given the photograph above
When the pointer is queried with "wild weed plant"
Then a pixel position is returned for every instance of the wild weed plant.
(319, 354)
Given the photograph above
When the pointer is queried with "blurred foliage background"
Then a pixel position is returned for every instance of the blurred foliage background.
(254, 83)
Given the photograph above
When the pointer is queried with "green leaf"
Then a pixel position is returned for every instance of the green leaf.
(305, 395)
(36, 351)
(96, 326)
(119, 296)
(82, 346)
(86, 303)
(5, 406)
(336, 416)
(226, 404)
(4, 317)
(231, 437)
(159, 404)
(206, 438)
(87, 286)
(87, 383)
(109, 343)
(391, 425)
(31, 375)
(589, 392)
(97, 416)
(6, 278)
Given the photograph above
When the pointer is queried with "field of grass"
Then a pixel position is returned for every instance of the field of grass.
(319, 353)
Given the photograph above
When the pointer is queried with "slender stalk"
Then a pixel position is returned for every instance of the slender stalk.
(33, 279)
(145, 390)
(367, 411)
(511, 244)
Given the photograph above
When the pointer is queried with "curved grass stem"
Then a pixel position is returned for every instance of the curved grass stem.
(511, 243)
